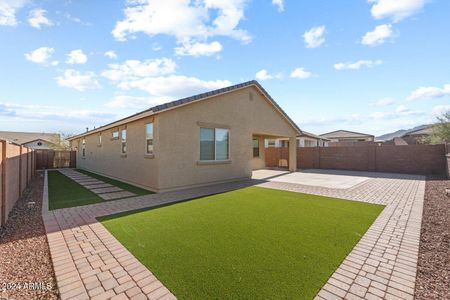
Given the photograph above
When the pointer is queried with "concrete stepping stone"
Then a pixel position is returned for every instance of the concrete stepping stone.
(98, 185)
(116, 195)
(106, 190)
(89, 182)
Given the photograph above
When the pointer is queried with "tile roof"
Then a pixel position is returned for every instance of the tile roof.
(202, 96)
(344, 134)
(25, 137)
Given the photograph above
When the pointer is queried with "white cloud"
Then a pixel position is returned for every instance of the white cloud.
(29, 112)
(76, 57)
(357, 65)
(136, 102)
(314, 37)
(40, 55)
(157, 78)
(199, 49)
(8, 9)
(301, 73)
(264, 75)
(173, 86)
(397, 10)
(378, 36)
(279, 4)
(37, 18)
(429, 92)
(78, 81)
(439, 110)
(134, 69)
(111, 54)
(191, 21)
(384, 102)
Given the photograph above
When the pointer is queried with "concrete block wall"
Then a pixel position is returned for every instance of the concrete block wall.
(16, 170)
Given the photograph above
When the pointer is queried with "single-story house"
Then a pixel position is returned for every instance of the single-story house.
(33, 140)
(347, 136)
(204, 139)
(417, 136)
(306, 139)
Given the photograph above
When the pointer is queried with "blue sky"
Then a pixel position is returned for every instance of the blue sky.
(370, 66)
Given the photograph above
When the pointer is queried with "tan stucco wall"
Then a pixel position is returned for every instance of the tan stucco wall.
(177, 143)
(135, 167)
(246, 112)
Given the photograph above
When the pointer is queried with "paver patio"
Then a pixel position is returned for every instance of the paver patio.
(90, 263)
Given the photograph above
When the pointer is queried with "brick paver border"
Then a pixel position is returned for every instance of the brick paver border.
(90, 263)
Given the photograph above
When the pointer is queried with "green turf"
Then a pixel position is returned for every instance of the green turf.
(245, 244)
(64, 192)
(125, 186)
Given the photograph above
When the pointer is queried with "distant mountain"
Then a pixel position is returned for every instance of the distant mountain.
(398, 133)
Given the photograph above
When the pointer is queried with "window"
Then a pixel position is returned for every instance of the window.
(99, 139)
(149, 138)
(115, 134)
(271, 143)
(83, 148)
(39, 143)
(214, 144)
(309, 143)
(284, 144)
(255, 147)
(124, 140)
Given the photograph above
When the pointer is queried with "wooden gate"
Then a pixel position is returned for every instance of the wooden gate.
(53, 159)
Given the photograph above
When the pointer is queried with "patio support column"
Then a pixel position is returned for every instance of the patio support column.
(293, 154)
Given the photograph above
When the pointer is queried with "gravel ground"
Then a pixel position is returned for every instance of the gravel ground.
(25, 264)
(433, 277)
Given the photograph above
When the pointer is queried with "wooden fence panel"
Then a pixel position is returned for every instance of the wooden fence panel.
(54, 159)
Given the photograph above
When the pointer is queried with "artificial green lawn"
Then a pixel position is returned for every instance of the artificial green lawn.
(245, 244)
(125, 186)
(64, 192)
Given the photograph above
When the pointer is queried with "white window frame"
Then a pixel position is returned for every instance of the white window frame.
(118, 134)
(153, 138)
(83, 147)
(123, 142)
(215, 145)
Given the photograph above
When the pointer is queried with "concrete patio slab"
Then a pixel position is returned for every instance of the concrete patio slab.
(313, 178)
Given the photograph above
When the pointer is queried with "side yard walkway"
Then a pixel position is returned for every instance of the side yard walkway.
(90, 263)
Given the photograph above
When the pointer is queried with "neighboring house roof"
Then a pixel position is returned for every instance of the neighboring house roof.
(26, 137)
(423, 131)
(345, 134)
(314, 136)
(398, 141)
(188, 100)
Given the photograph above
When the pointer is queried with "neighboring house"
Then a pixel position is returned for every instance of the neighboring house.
(306, 139)
(347, 136)
(204, 139)
(417, 136)
(33, 140)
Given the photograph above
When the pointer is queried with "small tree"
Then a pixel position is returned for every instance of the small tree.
(440, 132)
(59, 141)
